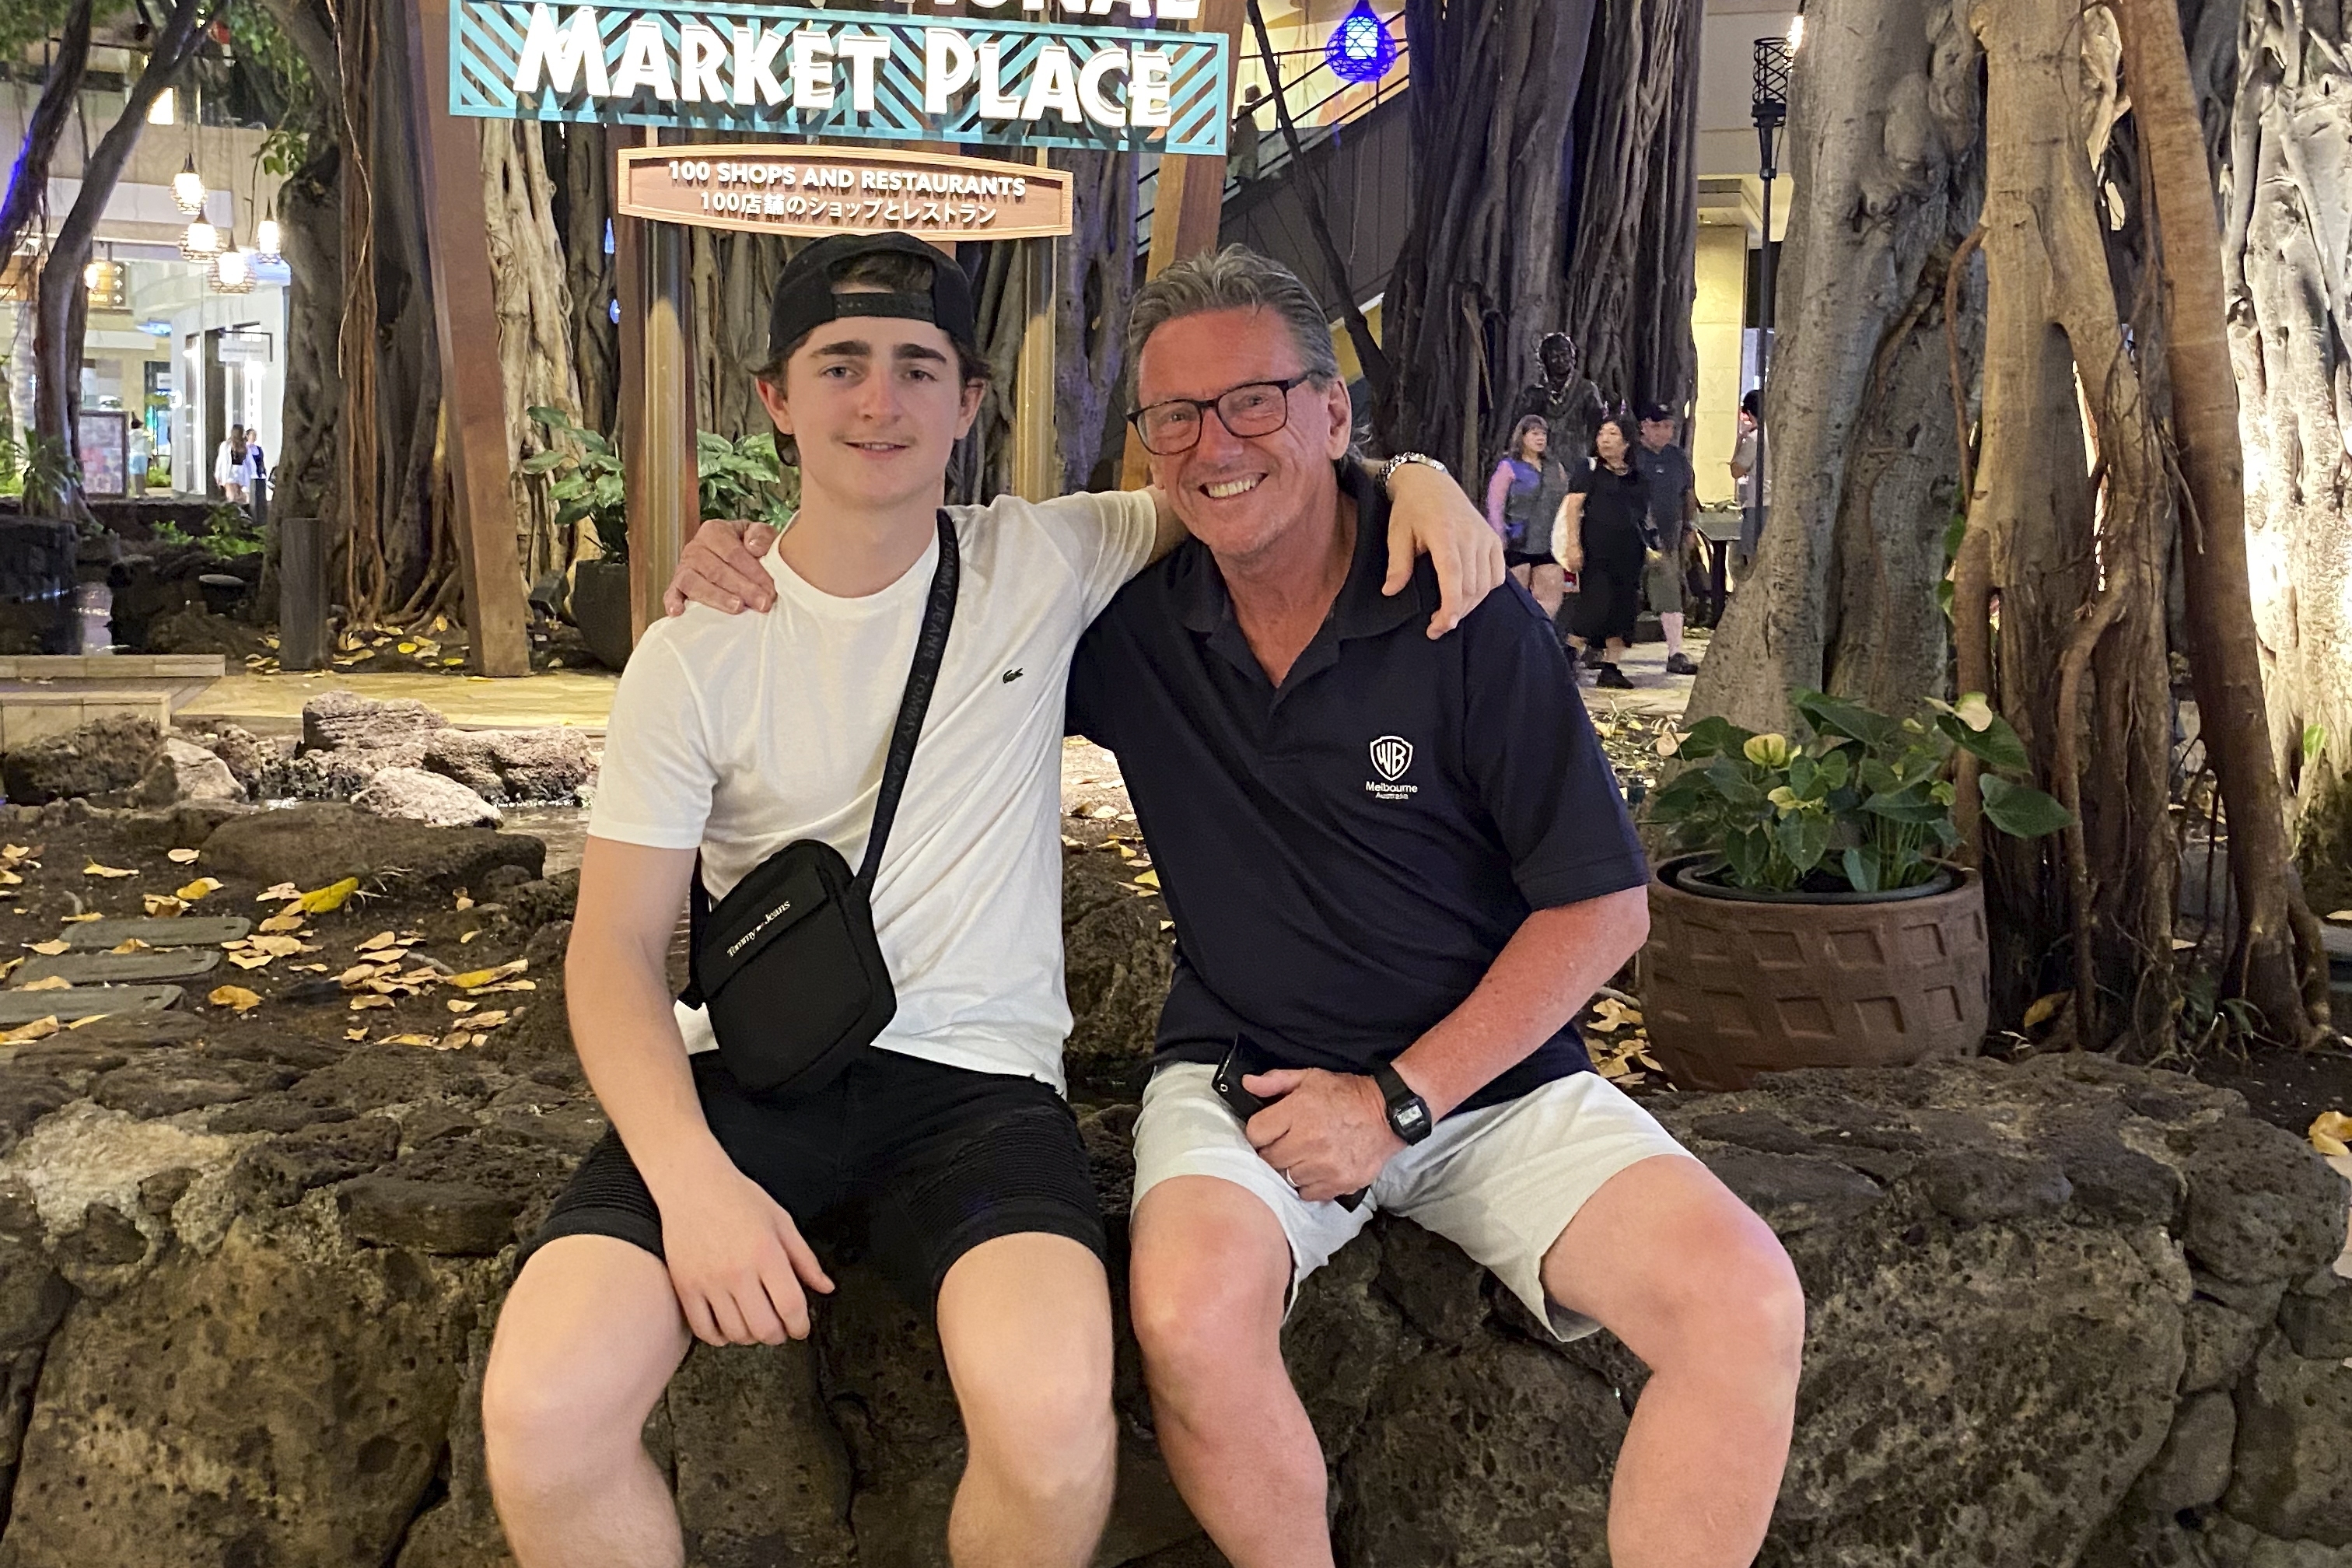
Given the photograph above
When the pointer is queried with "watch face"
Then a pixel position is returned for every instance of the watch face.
(1410, 1116)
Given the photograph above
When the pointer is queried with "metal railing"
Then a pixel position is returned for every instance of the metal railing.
(1274, 153)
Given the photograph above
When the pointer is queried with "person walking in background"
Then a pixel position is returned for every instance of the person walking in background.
(1601, 535)
(228, 466)
(1522, 493)
(1751, 480)
(1674, 502)
(257, 478)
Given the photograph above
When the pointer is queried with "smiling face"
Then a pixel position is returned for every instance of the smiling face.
(1238, 494)
(1533, 444)
(876, 409)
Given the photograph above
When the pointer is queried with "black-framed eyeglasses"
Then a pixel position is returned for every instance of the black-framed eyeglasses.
(1254, 408)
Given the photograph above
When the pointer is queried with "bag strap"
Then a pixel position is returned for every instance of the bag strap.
(931, 649)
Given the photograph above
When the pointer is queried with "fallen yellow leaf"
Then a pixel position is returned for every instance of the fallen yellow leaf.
(326, 900)
(279, 894)
(291, 921)
(252, 959)
(2045, 1008)
(50, 949)
(275, 946)
(85, 1023)
(48, 982)
(408, 1040)
(130, 944)
(38, 1029)
(10, 879)
(2343, 915)
(2331, 1133)
(506, 985)
(472, 979)
(160, 907)
(181, 857)
(200, 887)
(486, 1020)
(381, 938)
(78, 919)
(407, 647)
(467, 937)
(1147, 879)
(361, 1004)
(464, 903)
(458, 1007)
(235, 996)
(95, 869)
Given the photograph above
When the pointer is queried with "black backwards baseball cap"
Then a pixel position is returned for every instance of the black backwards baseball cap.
(804, 298)
(1652, 411)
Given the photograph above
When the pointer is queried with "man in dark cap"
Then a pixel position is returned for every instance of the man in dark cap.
(1674, 502)
(948, 1141)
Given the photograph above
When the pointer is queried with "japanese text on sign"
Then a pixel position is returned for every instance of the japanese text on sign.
(815, 191)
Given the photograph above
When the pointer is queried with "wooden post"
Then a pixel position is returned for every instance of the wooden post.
(473, 395)
(302, 594)
(1192, 194)
(1034, 475)
(656, 404)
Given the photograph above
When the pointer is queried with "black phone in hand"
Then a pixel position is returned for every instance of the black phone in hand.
(1246, 1059)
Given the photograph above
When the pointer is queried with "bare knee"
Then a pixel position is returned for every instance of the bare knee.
(1198, 1309)
(1047, 1434)
(1740, 1310)
(571, 1379)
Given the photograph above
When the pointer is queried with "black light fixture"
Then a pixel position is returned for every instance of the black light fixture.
(1768, 107)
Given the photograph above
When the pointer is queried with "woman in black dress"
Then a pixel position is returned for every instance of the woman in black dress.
(1598, 538)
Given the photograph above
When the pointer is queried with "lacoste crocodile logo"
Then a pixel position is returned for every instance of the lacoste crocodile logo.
(1012, 675)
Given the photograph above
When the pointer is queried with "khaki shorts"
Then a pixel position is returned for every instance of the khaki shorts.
(1500, 1183)
(1662, 581)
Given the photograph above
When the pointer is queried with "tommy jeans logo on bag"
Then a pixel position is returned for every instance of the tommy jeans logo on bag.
(765, 921)
(1391, 755)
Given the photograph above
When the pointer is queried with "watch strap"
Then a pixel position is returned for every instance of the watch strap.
(1388, 468)
(1404, 1107)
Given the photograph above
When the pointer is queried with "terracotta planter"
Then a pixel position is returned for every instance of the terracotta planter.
(1737, 984)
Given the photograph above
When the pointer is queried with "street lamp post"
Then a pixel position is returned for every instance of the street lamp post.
(1769, 108)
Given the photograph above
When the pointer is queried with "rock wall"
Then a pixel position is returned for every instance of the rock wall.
(2060, 1313)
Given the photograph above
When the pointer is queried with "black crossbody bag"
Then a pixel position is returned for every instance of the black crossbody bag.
(787, 963)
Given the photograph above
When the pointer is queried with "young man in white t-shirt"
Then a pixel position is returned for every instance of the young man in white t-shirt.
(735, 736)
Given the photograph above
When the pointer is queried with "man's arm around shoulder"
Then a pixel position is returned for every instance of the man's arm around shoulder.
(736, 1260)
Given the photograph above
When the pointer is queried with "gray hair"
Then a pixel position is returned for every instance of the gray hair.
(1235, 279)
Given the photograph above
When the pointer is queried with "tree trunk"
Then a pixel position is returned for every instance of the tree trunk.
(308, 481)
(535, 324)
(2290, 314)
(1632, 275)
(1479, 278)
(584, 209)
(1884, 145)
(1096, 282)
(2226, 661)
(63, 301)
(2079, 593)
(27, 194)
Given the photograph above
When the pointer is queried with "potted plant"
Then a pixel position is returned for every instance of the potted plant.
(1813, 918)
(744, 478)
(585, 480)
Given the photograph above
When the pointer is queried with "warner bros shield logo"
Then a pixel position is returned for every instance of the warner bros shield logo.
(1391, 755)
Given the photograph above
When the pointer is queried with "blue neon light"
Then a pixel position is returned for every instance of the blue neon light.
(1361, 48)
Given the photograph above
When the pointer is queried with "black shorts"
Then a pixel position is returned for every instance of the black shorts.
(926, 1160)
(1526, 558)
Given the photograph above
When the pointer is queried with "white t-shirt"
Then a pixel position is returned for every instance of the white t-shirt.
(741, 734)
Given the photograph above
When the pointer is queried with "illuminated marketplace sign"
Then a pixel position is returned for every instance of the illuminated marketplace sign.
(867, 74)
(771, 189)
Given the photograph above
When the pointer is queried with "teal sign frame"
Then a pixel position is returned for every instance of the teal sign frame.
(492, 41)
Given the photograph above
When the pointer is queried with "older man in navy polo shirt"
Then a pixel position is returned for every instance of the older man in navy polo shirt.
(1398, 866)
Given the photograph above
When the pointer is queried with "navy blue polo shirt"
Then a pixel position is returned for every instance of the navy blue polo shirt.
(1346, 855)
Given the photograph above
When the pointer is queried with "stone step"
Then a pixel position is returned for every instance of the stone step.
(17, 1007)
(188, 931)
(117, 968)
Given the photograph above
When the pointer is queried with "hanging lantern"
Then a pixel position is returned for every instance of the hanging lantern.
(233, 271)
(201, 243)
(265, 239)
(188, 187)
(1361, 48)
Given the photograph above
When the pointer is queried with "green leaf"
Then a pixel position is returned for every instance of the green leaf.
(1731, 779)
(540, 462)
(1747, 852)
(1836, 716)
(2315, 740)
(1997, 743)
(1914, 805)
(1834, 772)
(1956, 533)
(1862, 872)
(1804, 837)
(1712, 737)
(2019, 810)
(1802, 770)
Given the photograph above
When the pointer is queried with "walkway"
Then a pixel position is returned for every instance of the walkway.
(578, 698)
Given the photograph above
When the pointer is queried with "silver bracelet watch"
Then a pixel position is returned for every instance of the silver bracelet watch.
(1388, 468)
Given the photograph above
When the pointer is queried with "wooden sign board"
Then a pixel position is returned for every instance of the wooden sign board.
(772, 188)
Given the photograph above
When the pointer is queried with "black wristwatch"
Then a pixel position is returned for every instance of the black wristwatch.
(1409, 1116)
